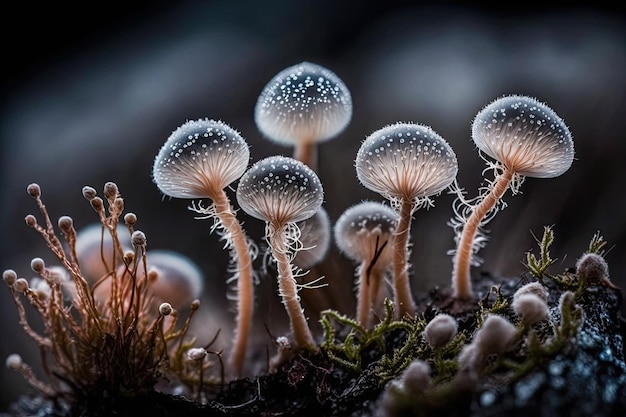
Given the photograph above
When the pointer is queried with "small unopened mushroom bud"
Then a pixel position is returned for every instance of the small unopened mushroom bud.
(138, 238)
(440, 330)
(30, 220)
(527, 139)
(97, 203)
(14, 361)
(593, 269)
(416, 377)
(129, 256)
(65, 223)
(20, 284)
(196, 354)
(89, 192)
(130, 219)
(165, 309)
(9, 276)
(406, 163)
(497, 335)
(301, 106)
(195, 304)
(119, 204)
(530, 308)
(34, 190)
(110, 190)
(37, 265)
(535, 288)
(315, 239)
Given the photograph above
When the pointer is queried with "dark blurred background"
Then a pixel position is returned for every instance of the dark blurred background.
(90, 93)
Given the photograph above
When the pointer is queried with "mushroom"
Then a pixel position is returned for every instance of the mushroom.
(406, 163)
(283, 191)
(199, 160)
(301, 106)
(364, 233)
(526, 138)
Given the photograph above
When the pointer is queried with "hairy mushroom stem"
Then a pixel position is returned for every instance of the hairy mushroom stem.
(287, 287)
(245, 280)
(462, 261)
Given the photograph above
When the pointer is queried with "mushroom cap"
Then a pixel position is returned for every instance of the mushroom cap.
(303, 103)
(315, 239)
(526, 135)
(280, 190)
(358, 227)
(407, 161)
(199, 159)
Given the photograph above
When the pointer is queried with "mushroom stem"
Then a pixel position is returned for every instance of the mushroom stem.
(401, 286)
(461, 272)
(306, 152)
(369, 293)
(364, 301)
(287, 289)
(245, 285)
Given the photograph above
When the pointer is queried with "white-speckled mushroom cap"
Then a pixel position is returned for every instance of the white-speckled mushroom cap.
(199, 159)
(527, 136)
(358, 227)
(406, 160)
(280, 190)
(303, 103)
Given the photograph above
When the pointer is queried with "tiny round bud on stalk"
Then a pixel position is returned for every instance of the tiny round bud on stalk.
(130, 219)
(37, 265)
(89, 192)
(165, 309)
(34, 190)
(9, 276)
(14, 361)
(20, 285)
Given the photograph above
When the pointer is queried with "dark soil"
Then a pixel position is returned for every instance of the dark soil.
(589, 379)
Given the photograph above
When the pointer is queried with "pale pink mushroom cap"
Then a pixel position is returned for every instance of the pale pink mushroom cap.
(200, 158)
(527, 136)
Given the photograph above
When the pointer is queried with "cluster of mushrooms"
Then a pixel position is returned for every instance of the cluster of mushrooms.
(406, 163)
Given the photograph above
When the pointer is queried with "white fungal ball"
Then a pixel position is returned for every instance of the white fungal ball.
(360, 226)
(440, 330)
(530, 308)
(527, 136)
(535, 288)
(406, 161)
(496, 335)
(315, 239)
(592, 268)
(280, 190)
(199, 159)
(416, 377)
(14, 361)
(302, 104)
